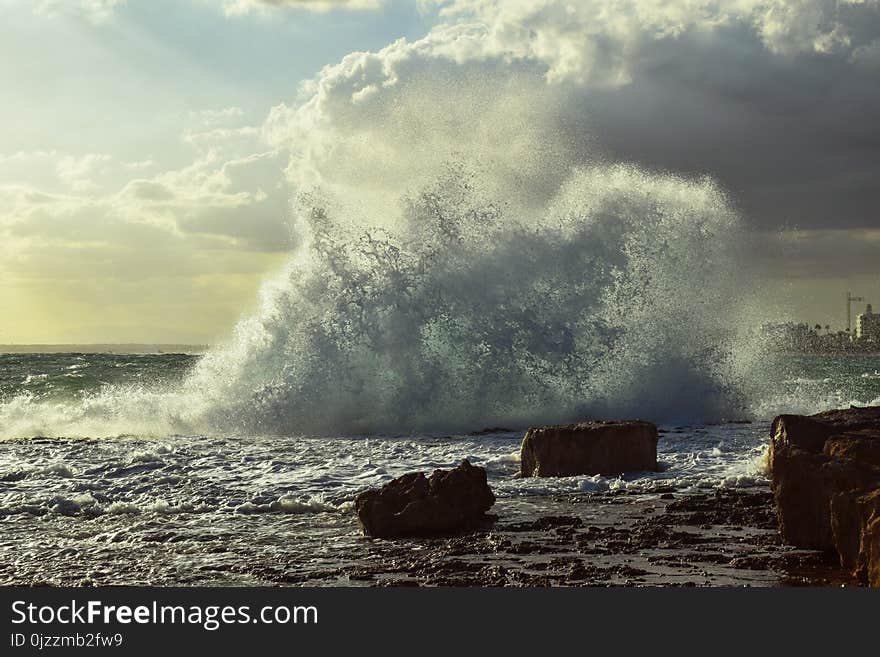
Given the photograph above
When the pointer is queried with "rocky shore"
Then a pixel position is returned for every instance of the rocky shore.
(718, 538)
(825, 473)
(723, 537)
(811, 522)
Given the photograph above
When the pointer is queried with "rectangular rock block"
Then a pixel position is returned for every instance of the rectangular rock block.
(587, 448)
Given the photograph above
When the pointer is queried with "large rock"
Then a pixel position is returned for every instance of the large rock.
(448, 501)
(825, 474)
(589, 448)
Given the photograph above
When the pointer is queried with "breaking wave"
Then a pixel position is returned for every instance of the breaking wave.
(614, 299)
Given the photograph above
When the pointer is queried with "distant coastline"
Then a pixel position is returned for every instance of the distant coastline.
(124, 348)
(802, 338)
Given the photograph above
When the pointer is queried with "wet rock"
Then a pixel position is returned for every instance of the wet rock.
(870, 549)
(855, 522)
(733, 508)
(825, 472)
(490, 430)
(608, 448)
(448, 501)
(544, 524)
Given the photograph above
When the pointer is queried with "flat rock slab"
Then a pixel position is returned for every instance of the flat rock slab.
(587, 448)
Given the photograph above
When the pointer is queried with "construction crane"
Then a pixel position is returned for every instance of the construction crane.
(849, 299)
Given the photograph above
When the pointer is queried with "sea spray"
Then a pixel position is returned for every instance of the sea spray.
(614, 300)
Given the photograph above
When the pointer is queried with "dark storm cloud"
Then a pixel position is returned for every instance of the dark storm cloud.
(822, 253)
(795, 138)
(775, 100)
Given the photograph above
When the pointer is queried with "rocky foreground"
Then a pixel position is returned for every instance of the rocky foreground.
(822, 469)
(726, 537)
(825, 472)
(817, 515)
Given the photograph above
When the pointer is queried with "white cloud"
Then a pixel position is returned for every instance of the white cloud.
(208, 138)
(95, 10)
(101, 10)
(238, 7)
(490, 84)
(79, 173)
(53, 171)
(507, 86)
(384, 123)
(499, 84)
(597, 41)
(233, 194)
(211, 118)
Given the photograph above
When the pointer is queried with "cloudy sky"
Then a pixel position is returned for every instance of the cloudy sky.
(150, 149)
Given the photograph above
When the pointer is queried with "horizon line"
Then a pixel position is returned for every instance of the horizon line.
(82, 347)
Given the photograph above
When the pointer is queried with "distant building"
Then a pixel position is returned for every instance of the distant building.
(868, 326)
(791, 336)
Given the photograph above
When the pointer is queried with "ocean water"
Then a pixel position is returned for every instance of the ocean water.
(184, 508)
(381, 347)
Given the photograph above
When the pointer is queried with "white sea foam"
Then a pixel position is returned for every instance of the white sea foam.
(123, 508)
(58, 470)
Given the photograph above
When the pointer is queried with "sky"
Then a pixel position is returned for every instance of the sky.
(151, 150)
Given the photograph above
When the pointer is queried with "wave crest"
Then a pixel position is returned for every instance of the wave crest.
(614, 299)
